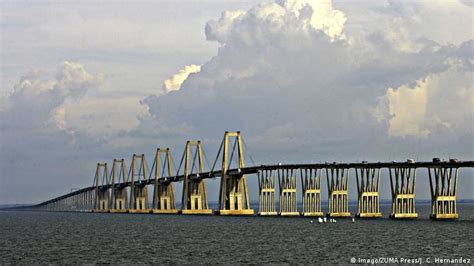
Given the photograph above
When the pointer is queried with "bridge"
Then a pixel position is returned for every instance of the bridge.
(126, 190)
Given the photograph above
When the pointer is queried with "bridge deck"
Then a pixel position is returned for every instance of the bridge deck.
(255, 169)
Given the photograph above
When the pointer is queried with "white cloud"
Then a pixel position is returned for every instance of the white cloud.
(439, 105)
(174, 83)
(37, 98)
(101, 117)
(277, 18)
(284, 80)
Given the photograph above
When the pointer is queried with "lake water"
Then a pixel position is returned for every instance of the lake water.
(42, 237)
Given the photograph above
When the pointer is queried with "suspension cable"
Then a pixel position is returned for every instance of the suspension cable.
(217, 157)
(130, 172)
(173, 165)
(205, 159)
(181, 163)
(153, 166)
(248, 151)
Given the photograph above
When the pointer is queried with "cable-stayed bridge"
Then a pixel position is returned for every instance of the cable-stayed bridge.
(118, 189)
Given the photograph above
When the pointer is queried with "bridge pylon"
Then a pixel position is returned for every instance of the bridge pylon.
(337, 180)
(102, 192)
(163, 193)
(402, 184)
(119, 190)
(233, 192)
(368, 187)
(194, 197)
(311, 184)
(443, 187)
(139, 201)
(288, 197)
(266, 187)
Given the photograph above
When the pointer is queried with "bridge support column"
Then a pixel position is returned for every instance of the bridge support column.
(311, 184)
(337, 179)
(102, 193)
(402, 183)
(119, 190)
(266, 186)
(443, 192)
(76, 203)
(103, 201)
(82, 202)
(139, 202)
(163, 193)
(288, 197)
(194, 197)
(234, 196)
(164, 202)
(120, 203)
(368, 187)
(91, 200)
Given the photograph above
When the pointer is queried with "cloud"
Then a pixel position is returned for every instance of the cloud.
(281, 78)
(277, 18)
(438, 105)
(174, 83)
(36, 146)
(37, 98)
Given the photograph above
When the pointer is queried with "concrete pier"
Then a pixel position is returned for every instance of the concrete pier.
(288, 195)
(266, 187)
(443, 187)
(139, 200)
(102, 192)
(234, 195)
(163, 192)
(338, 202)
(311, 185)
(194, 198)
(368, 187)
(402, 183)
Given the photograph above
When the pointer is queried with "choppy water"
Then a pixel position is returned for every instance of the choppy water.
(40, 237)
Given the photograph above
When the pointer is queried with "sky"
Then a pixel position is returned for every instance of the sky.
(303, 80)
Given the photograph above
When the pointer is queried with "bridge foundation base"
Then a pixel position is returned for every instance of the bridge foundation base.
(267, 213)
(197, 212)
(289, 214)
(313, 214)
(118, 211)
(171, 211)
(237, 212)
(445, 216)
(144, 211)
(369, 215)
(404, 216)
(338, 214)
(100, 211)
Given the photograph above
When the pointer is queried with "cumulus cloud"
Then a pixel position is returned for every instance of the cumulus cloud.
(436, 105)
(174, 83)
(279, 17)
(53, 126)
(102, 117)
(37, 98)
(290, 72)
(37, 145)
